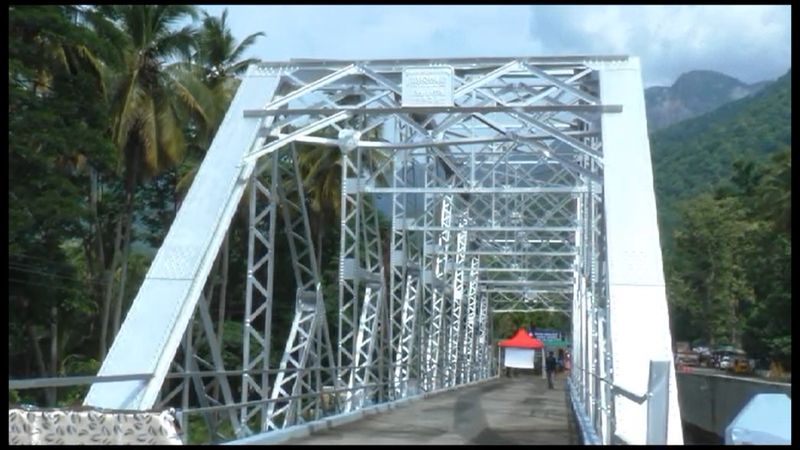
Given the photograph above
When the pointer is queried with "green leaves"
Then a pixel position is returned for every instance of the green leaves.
(729, 276)
(90, 93)
(693, 156)
(217, 51)
(725, 218)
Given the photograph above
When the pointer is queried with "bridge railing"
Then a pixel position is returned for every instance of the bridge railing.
(657, 398)
(42, 383)
(331, 398)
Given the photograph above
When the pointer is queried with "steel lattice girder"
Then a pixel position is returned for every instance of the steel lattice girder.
(539, 166)
(309, 338)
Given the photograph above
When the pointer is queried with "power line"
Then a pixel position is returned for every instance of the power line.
(48, 286)
(38, 258)
(19, 268)
(30, 265)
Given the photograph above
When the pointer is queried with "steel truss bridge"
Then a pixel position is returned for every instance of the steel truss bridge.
(509, 184)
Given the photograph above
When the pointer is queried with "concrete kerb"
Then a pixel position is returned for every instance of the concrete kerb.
(299, 431)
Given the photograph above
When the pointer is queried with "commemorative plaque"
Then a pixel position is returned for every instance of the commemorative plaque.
(428, 86)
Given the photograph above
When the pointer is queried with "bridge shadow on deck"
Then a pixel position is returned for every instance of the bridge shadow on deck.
(507, 411)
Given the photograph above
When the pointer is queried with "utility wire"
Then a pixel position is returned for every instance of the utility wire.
(48, 286)
(24, 269)
(36, 258)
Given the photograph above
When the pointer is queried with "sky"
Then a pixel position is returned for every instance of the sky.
(751, 43)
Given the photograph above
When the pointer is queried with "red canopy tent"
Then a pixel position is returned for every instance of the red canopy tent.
(521, 340)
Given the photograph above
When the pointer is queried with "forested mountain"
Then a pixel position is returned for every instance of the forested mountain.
(693, 94)
(694, 155)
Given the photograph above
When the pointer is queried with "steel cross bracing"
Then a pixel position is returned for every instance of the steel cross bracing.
(309, 340)
(435, 295)
(529, 190)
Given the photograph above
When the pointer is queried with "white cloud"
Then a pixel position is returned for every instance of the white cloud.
(383, 31)
(751, 43)
(748, 42)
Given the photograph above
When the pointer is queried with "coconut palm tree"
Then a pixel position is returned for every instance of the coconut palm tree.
(148, 108)
(217, 51)
(211, 75)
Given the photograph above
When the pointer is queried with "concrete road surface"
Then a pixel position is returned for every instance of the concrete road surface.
(501, 412)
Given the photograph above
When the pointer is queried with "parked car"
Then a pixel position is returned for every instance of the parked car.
(742, 365)
(725, 363)
(689, 359)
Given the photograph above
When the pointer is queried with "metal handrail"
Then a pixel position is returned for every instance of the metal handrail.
(35, 383)
(272, 400)
(40, 383)
(638, 398)
(657, 411)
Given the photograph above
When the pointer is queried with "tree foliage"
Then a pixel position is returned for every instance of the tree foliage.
(729, 276)
(693, 156)
(723, 188)
(103, 104)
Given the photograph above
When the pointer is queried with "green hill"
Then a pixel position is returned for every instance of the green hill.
(692, 156)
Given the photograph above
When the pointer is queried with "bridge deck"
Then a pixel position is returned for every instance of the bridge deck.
(518, 410)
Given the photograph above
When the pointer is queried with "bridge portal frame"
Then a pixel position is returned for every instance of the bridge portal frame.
(523, 172)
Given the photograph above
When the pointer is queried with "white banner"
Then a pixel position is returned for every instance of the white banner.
(520, 358)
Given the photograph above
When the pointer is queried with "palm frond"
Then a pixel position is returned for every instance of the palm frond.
(244, 45)
(170, 138)
(123, 102)
(94, 64)
(189, 100)
(177, 44)
(102, 19)
(148, 135)
(241, 66)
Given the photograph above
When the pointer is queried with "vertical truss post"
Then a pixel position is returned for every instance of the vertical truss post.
(454, 349)
(367, 365)
(187, 363)
(417, 328)
(428, 249)
(586, 304)
(404, 351)
(364, 373)
(294, 392)
(470, 342)
(349, 253)
(485, 337)
(493, 363)
(398, 262)
(256, 346)
(604, 390)
(596, 354)
(435, 334)
(579, 374)
(374, 272)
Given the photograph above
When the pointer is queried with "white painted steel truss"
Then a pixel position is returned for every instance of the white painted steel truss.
(511, 194)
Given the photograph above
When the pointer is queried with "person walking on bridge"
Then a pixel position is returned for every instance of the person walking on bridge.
(550, 367)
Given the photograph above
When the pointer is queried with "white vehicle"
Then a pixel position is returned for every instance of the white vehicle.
(726, 363)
